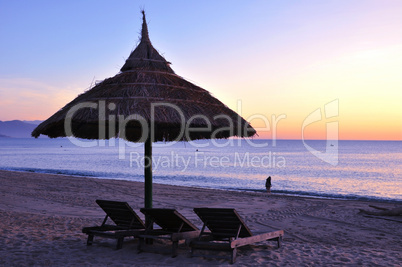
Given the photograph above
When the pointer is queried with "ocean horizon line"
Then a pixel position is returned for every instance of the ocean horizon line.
(234, 138)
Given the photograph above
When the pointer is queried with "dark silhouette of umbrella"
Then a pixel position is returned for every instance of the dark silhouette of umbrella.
(145, 102)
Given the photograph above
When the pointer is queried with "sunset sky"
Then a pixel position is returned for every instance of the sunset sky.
(264, 59)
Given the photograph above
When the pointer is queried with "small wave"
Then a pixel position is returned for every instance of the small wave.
(53, 171)
(326, 196)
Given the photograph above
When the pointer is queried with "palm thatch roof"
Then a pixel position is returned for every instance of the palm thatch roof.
(146, 83)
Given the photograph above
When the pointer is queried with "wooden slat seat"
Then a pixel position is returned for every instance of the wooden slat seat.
(173, 227)
(127, 223)
(227, 232)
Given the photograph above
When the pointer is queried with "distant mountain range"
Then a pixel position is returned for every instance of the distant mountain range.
(17, 129)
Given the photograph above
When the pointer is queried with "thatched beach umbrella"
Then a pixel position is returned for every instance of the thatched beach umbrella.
(145, 102)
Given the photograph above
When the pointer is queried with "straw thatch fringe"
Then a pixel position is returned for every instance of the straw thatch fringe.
(146, 91)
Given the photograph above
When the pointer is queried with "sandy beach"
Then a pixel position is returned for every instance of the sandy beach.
(42, 216)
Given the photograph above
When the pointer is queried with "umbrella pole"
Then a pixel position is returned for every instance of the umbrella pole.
(148, 176)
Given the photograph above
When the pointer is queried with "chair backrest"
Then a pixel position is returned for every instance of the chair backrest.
(169, 220)
(223, 222)
(121, 214)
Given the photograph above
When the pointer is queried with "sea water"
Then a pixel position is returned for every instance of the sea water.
(370, 170)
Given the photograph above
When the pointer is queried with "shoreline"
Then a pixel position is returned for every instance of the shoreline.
(276, 192)
(43, 214)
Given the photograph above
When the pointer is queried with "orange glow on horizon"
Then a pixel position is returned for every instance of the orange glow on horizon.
(293, 130)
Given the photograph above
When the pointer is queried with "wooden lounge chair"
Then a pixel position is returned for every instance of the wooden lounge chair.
(173, 227)
(227, 232)
(127, 223)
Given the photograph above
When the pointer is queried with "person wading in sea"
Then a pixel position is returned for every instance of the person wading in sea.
(268, 184)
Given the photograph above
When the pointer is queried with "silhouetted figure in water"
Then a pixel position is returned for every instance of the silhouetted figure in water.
(268, 184)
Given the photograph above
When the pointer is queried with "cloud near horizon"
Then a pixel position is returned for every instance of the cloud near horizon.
(28, 99)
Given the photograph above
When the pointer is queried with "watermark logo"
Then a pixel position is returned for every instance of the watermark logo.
(331, 110)
(116, 128)
(202, 160)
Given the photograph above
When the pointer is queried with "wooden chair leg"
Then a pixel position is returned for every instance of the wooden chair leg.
(191, 252)
(279, 241)
(90, 240)
(140, 244)
(119, 242)
(175, 245)
(233, 256)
